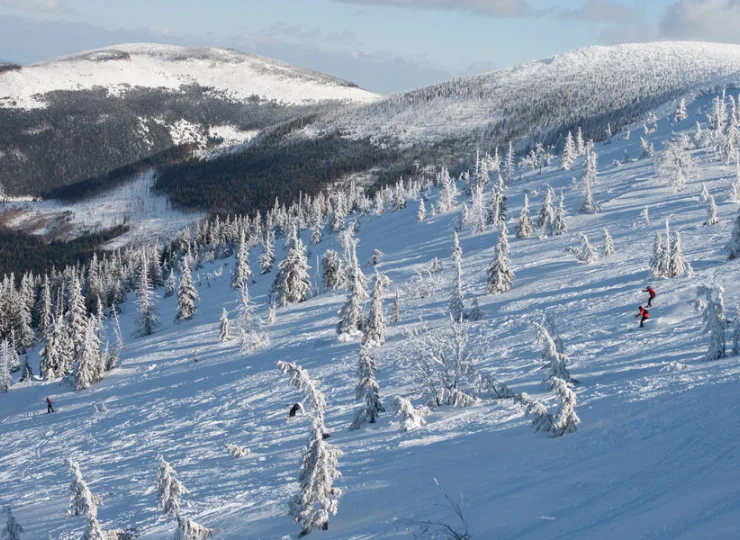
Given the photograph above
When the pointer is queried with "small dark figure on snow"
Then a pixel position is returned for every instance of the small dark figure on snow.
(294, 410)
(652, 294)
(49, 405)
(644, 314)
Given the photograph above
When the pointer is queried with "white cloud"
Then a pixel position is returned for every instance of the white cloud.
(33, 5)
(492, 8)
(602, 11)
(710, 20)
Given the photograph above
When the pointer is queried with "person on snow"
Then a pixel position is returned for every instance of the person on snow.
(644, 314)
(49, 405)
(652, 294)
(294, 410)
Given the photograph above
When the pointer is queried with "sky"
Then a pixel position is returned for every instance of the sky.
(383, 45)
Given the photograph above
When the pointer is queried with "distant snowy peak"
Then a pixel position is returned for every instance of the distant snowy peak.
(240, 76)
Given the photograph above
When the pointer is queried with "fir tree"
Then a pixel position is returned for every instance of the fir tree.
(187, 529)
(657, 268)
(559, 227)
(681, 113)
(715, 327)
(147, 319)
(81, 502)
(676, 264)
(554, 361)
(456, 249)
(367, 390)
(734, 245)
(375, 325)
(77, 319)
(333, 274)
(500, 276)
(569, 153)
(12, 529)
(411, 418)
(170, 285)
(609, 249)
(187, 295)
(169, 489)
(300, 379)
(456, 297)
(736, 336)
(510, 163)
(586, 253)
(591, 176)
(397, 308)
(351, 314)
(45, 307)
(292, 282)
(267, 258)
(589, 206)
(675, 165)
(421, 214)
(712, 212)
(580, 145)
(26, 371)
(704, 196)
(242, 272)
(225, 331)
(566, 420)
(5, 380)
(547, 213)
(88, 369)
(524, 224)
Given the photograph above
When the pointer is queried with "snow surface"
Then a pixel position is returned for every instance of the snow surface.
(238, 75)
(148, 214)
(656, 455)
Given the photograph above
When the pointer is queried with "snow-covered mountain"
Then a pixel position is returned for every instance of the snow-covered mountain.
(655, 454)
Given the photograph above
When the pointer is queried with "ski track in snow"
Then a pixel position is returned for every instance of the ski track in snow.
(656, 455)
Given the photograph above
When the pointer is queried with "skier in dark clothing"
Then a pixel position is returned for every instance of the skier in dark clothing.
(294, 410)
(644, 314)
(652, 294)
(49, 405)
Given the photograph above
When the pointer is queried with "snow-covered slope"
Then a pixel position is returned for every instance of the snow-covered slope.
(654, 457)
(118, 69)
(533, 99)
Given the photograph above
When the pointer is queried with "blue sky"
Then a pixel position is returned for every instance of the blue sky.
(383, 45)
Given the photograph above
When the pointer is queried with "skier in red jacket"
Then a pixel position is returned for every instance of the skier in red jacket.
(49, 405)
(652, 294)
(644, 314)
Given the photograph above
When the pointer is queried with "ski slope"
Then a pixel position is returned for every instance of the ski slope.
(654, 457)
(119, 69)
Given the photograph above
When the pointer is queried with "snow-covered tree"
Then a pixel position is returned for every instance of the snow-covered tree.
(716, 330)
(712, 212)
(658, 258)
(580, 144)
(446, 200)
(169, 489)
(421, 214)
(13, 529)
(585, 253)
(510, 163)
(300, 379)
(566, 420)
(591, 176)
(333, 273)
(367, 390)
(734, 245)
(704, 196)
(559, 227)
(77, 318)
(676, 264)
(609, 248)
(5, 367)
(26, 370)
(375, 325)
(376, 258)
(646, 215)
(45, 307)
(89, 367)
(477, 215)
(267, 257)
(570, 153)
(292, 282)
(81, 502)
(170, 286)
(651, 123)
(187, 295)
(647, 149)
(456, 249)
(147, 319)
(674, 165)
(735, 189)
(242, 272)
(736, 336)
(318, 497)
(187, 529)
(524, 224)
(681, 113)
(456, 297)
(351, 315)
(589, 206)
(500, 275)
(554, 359)
(411, 418)
(547, 213)
(397, 308)
(225, 331)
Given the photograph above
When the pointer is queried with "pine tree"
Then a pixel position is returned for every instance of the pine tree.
(580, 145)
(657, 268)
(397, 308)
(421, 214)
(500, 276)
(147, 319)
(646, 215)
(456, 298)
(333, 274)
(12, 529)
(554, 359)
(45, 307)
(704, 197)
(187, 295)
(81, 502)
(715, 327)
(318, 498)
(675, 165)
(478, 215)
(734, 245)
(242, 272)
(681, 113)
(559, 226)
(5, 380)
(547, 213)
(267, 258)
(367, 390)
(456, 249)
(88, 369)
(609, 249)
(510, 163)
(53, 355)
(411, 418)
(569, 153)
(524, 224)
(712, 212)
(375, 325)
(292, 282)
(225, 332)
(351, 314)
(170, 285)
(300, 379)
(676, 264)
(169, 489)
(187, 529)
(566, 420)
(736, 336)
(77, 319)
(647, 150)
(26, 371)
(446, 200)
(271, 314)
(591, 176)
(586, 253)
(589, 206)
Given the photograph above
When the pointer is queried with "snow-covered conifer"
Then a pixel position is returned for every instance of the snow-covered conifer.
(704, 196)
(589, 206)
(421, 214)
(367, 390)
(736, 336)
(13, 529)
(411, 418)
(292, 282)
(300, 379)
(456, 249)
(225, 331)
(608, 249)
(658, 258)
(510, 163)
(5, 367)
(169, 489)
(351, 314)
(734, 245)
(187, 529)
(591, 176)
(524, 224)
(554, 361)
(267, 257)
(586, 253)
(26, 370)
(147, 319)
(376, 258)
(580, 144)
(500, 276)
(448, 193)
(77, 319)
(676, 264)
(647, 149)
(271, 314)
(375, 325)
(333, 274)
(712, 212)
(242, 272)
(187, 295)
(646, 215)
(547, 213)
(674, 165)
(318, 498)
(570, 153)
(88, 369)
(456, 297)
(715, 327)
(397, 308)
(476, 314)
(81, 502)
(681, 113)
(170, 285)
(566, 420)
(477, 216)
(559, 226)
(651, 123)
(45, 307)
